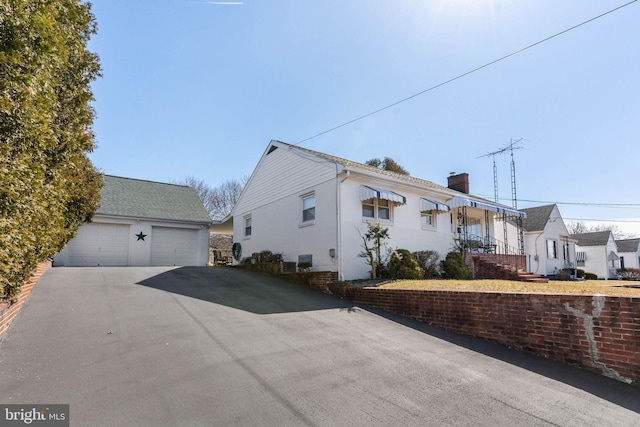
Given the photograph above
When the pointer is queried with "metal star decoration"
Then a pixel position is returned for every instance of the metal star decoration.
(140, 236)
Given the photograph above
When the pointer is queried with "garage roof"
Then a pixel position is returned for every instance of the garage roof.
(149, 199)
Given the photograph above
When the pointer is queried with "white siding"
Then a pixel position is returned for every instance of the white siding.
(282, 173)
(538, 260)
(631, 259)
(278, 227)
(597, 261)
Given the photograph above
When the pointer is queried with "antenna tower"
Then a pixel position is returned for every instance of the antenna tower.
(513, 145)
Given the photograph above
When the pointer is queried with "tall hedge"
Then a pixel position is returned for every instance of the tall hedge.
(48, 186)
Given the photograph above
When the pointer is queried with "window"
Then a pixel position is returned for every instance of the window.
(247, 226)
(473, 227)
(428, 220)
(552, 249)
(308, 208)
(376, 209)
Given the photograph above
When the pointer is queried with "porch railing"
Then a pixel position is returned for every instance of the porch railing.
(488, 245)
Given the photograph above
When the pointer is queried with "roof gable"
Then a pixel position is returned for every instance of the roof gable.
(148, 199)
(537, 217)
(628, 245)
(596, 238)
(355, 166)
(338, 165)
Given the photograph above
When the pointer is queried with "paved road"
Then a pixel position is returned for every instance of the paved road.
(223, 347)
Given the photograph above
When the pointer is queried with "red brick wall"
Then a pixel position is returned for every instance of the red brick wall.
(596, 332)
(9, 312)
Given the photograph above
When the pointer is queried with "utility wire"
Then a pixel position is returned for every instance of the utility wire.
(598, 205)
(462, 75)
(604, 220)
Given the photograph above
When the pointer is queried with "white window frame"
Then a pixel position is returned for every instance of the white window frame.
(303, 199)
(378, 205)
(432, 224)
(554, 246)
(248, 223)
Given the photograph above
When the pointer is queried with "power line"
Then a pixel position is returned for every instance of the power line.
(597, 205)
(637, 221)
(588, 204)
(462, 75)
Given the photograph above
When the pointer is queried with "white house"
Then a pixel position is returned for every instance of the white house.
(303, 203)
(597, 253)
(629, 252)
(141, 223)
(548, 246)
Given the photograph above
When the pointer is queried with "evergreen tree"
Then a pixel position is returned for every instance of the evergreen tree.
(48, 186)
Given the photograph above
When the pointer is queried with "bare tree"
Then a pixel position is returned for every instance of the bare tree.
(580, 227)
(218, 201)
(225, 196)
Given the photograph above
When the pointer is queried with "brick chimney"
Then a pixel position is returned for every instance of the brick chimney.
(459, 182)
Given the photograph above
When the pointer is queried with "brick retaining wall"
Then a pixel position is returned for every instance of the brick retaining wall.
(317, 280)
(9, 312)
(595, 332)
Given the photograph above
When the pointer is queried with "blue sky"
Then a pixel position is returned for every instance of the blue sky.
(199, 88)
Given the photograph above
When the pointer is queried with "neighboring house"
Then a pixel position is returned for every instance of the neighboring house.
(597, 253)
(314, 207)
(141, 223)
(629, 252)
(547, 244)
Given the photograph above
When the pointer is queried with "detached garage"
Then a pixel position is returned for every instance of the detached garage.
(141, 223)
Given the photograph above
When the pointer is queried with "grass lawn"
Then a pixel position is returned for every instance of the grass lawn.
(587, 287)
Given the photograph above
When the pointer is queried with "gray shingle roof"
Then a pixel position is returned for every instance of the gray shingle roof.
(355, 165)
(537, 217)
(596, 238)
(148, 199)
(628, 245)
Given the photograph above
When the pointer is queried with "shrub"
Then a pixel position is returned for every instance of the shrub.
(266, 256)
(629, 274)
(454, 267)
(580, 273)
(402, 265)
(430, 263)
(565, 274)
(590, 276)
(262, 257)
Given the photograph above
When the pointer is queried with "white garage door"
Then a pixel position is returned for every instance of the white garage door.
(99, 244)
(174, 246)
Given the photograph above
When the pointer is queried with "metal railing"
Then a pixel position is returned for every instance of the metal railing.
(488, 245)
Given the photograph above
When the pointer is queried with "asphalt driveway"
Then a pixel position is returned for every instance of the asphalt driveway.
(219, 346)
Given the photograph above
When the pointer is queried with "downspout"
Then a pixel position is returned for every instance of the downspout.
(536, 257)
(339, 223)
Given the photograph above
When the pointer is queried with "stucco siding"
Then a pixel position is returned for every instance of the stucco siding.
(405, 228)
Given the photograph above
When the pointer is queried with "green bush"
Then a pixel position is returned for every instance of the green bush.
(262, 257)
(430, 263)
(454, 267)
(48, 186)
(402, 265)
(580, 273)
(590, 276)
